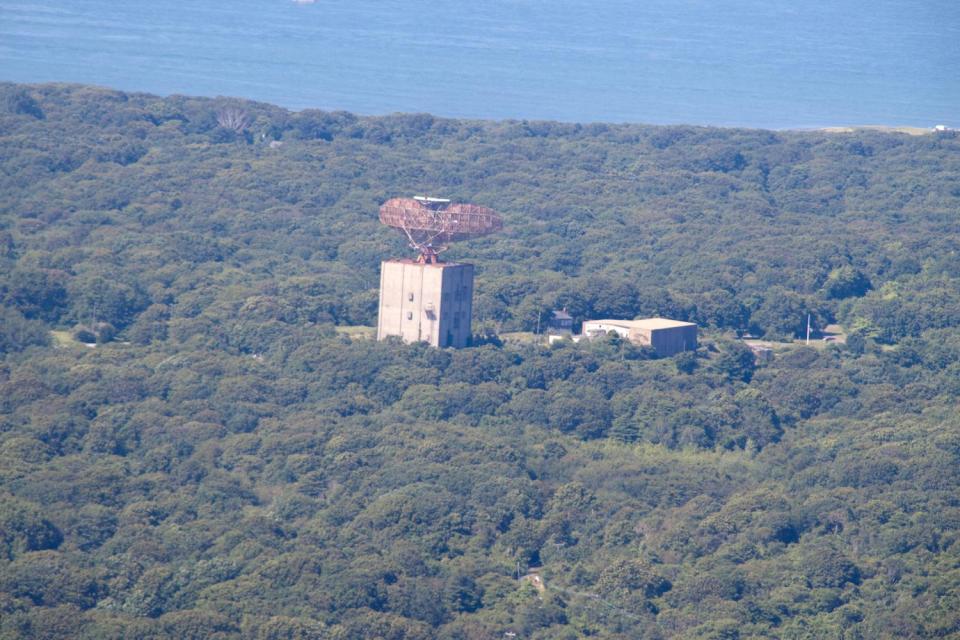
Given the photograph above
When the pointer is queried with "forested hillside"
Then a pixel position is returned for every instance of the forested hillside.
(233, 460)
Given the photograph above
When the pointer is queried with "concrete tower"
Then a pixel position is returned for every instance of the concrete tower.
(423, 302)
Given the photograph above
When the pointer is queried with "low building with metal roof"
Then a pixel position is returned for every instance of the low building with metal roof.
(667, 337)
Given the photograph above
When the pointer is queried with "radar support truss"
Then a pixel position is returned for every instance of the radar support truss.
(432, 224)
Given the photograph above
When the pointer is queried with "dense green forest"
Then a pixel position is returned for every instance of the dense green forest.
(232, 460)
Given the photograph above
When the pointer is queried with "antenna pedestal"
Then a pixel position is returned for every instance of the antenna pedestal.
(428, 255)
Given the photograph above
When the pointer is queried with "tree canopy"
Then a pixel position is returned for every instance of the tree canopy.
(196, 439)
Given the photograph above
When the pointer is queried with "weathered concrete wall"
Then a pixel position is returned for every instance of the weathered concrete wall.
(432, 303)
(673, 340)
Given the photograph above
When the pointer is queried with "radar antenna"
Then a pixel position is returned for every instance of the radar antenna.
(431, 224)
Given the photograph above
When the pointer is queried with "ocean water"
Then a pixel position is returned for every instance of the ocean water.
(756, 63)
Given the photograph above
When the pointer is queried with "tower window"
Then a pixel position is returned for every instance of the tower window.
(410, 314)
(410, 297)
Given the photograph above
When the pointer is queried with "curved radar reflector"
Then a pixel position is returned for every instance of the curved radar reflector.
(431, 224)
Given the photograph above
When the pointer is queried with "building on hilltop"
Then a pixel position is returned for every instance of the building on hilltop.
(423, 302)
(762, 351)
(762, 355)
(560, 322)
(428, 300)
(667, 337)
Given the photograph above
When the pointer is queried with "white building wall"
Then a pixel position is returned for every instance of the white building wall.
(594, 328)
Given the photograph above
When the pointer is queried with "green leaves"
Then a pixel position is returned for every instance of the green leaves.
(17, 332)
(23, 528)
(235, 458)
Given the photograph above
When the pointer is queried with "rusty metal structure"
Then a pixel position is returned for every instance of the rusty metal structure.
(431, 224)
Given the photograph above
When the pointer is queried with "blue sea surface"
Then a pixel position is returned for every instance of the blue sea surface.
(756, 63)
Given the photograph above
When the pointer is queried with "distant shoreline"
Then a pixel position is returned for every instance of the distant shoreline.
(905, 129)
(909, 130)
